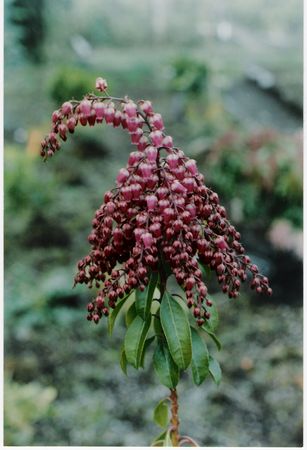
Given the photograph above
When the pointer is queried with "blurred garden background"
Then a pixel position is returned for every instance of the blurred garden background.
(227, 77)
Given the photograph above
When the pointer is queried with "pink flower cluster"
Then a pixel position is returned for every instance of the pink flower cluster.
(160, 211)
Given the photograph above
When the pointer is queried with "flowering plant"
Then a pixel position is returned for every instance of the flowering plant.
(160, 220)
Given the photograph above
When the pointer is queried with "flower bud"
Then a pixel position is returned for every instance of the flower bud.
(67, 108)
(136, 190)
(191, 166)
(109, 114)
(156, 138)
(83, 119)
(130, 109)
(134, 158)
(167, 142)
(189, 184)
(162, 192)
(71, 124)
(147, 240)
(143, 143)
(191, 208)
(117, 119)
(132, 124)
(127, 192)
(178, 188)
(146, 169)
(101, 84)
(63, 131)
(138, 232)
(85, 108)
(157, 122)
(155, 229)
(146, 107)
(172, 161)
(220, 243)
(56, 116)
(122, 176)
(100, 111)
(168, 214)
(151, 153)
(151, 202)
(136, 135)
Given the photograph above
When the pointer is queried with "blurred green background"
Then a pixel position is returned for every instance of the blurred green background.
(227, 76)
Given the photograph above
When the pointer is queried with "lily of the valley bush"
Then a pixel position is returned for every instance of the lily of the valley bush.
(159, 220)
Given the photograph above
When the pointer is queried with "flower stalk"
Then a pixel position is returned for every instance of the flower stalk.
(175, 437)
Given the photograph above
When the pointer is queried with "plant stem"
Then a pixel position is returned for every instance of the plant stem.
(174, 419)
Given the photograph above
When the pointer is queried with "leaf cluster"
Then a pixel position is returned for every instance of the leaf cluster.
(163, 323)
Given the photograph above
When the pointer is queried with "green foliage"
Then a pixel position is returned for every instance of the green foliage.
(177, 330)
(163, 440)
(135, 340)
(26, 196)
(143, 299)
(215, 370)
(166, 368)
(29, 17)
(159, 440)
(213, 321)
(176, 343)
(130, 314)
(69, 83)
(115, 311)
(211, 324)
(158, 327)
(212, 336)
(123, 360)
(160, 414)
(190, 76)
(200, 358)
(168, 441)
(147, 344)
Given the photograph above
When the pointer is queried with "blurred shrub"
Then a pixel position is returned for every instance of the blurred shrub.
(28, 16)
(30, 192)
(24, 405)
(261, 173)
(197, 103)
(190, 76)
(71, 82)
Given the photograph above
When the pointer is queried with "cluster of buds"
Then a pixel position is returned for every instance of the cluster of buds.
(159, 212)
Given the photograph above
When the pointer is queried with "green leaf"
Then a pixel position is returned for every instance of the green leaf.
(167, 370)
(176, 328)
(158, 327)
(158, 441)
(123, 360)
(146, 345)
(168, 439)
(114, 313)
(200, 358)
(143, 299)
(215, 370)
(213, 336)
(130, 315)
(135, 340)
(160, 414)
(213, 321)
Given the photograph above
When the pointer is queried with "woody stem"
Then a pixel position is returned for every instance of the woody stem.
(174, 418)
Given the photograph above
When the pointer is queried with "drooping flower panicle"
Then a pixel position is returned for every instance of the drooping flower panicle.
(159, 212)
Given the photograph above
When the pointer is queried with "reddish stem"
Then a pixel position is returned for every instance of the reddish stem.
(174, 418)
